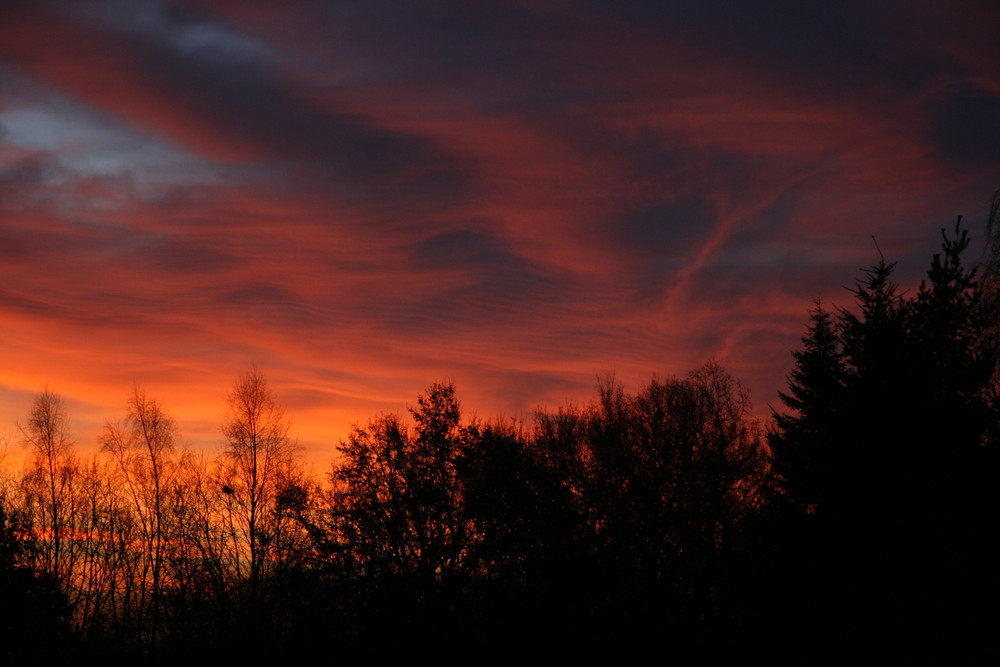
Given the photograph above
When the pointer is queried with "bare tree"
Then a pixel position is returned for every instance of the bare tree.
(46, 436)
(257, 464)
(141, 445)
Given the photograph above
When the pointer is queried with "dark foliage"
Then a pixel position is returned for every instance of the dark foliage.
(803, 441)
(34, 612)
(890, 456)
(620, 517)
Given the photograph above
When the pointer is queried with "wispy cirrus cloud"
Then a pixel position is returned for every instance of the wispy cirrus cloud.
(363, 198)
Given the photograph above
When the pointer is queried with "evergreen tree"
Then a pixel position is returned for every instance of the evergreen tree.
(802, 442)
(878, 398)
(892, 391)
(956, 353)
(892, 445)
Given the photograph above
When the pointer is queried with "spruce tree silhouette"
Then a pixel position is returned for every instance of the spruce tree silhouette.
(803, 442)
(895, 407)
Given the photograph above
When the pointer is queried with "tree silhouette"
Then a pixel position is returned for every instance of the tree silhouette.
(803, 442)
(890, 448)
(141, 445)
(47, 438)
(664, 481)
(398, 518)
(257, 463)
(34, 611)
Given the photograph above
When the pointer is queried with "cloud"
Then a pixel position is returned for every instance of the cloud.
(362, 199)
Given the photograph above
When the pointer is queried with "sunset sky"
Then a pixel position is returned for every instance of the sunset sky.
(364, 197)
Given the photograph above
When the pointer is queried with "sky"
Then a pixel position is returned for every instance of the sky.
(363, 198)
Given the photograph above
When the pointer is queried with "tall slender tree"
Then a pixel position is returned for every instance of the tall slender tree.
(258, 461)
(142, 444)
(46, 435)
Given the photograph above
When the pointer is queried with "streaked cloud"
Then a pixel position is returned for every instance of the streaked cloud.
(362, 198)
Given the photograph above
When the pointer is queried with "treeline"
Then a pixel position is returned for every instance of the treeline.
(861, 521)
(149, 546)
